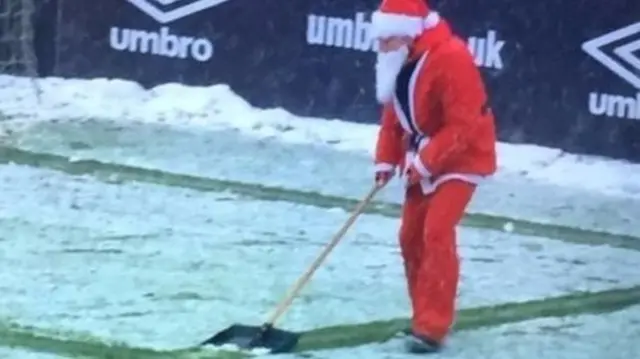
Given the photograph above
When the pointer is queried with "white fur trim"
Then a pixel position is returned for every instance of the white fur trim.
(386, 25)
(420, 167)
(429, 187)
(431, 20)
(384, 167)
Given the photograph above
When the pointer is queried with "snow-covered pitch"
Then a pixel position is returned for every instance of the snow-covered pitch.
(122, 220)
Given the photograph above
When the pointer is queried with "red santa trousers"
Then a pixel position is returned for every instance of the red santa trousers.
(429, 250)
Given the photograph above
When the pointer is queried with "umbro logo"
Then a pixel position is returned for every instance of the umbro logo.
(619, 51)
(165, 11)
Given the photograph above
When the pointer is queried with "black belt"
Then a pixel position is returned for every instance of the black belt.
(414, 142)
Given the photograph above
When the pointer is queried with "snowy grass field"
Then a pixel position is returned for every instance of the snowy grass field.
(139, 237)
(612, 336)
(159, 267)
(227, 154)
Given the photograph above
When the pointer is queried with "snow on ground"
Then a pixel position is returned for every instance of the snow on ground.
(332, 157)
(218, 107)
(13, 353)
(137, 262)
(611, 336)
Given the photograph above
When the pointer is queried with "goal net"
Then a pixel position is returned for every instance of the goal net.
(17, 49)
(17, 55)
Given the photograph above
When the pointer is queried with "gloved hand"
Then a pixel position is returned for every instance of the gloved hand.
(413, 176)
(415, 173)
(383, 177)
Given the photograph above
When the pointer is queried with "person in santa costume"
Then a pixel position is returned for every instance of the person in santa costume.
(437, 132)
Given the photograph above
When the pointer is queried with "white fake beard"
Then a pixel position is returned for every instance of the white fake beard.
(388, 66)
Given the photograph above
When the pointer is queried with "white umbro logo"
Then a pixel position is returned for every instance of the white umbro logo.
(619, 51)
(164, 11)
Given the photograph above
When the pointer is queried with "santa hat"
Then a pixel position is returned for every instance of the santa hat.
(403, 18)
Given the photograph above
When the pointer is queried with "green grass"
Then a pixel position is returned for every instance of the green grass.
(73, 344)
(110, 172)
(574, 304)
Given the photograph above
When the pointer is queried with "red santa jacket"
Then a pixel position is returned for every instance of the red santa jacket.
(439, 119)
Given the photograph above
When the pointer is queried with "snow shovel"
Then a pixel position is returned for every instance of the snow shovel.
(267, 338)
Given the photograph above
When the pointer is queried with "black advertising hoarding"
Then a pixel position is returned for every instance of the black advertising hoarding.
(257, 47)
(44, 32)
(560, 74)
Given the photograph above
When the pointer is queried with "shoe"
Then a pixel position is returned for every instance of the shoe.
(404, 333)
(419, 344)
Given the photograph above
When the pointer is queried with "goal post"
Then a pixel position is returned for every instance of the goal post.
(17, 40)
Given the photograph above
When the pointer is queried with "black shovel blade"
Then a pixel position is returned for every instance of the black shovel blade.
(250, 337)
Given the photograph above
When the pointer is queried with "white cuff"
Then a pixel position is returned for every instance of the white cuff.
(420, 167)
(384, 167)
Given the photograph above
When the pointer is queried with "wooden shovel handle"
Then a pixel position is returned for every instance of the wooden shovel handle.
(304, 279)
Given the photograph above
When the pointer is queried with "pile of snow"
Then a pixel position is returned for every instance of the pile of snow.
(218, 107)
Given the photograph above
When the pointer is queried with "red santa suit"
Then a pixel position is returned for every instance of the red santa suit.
(437, 130)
